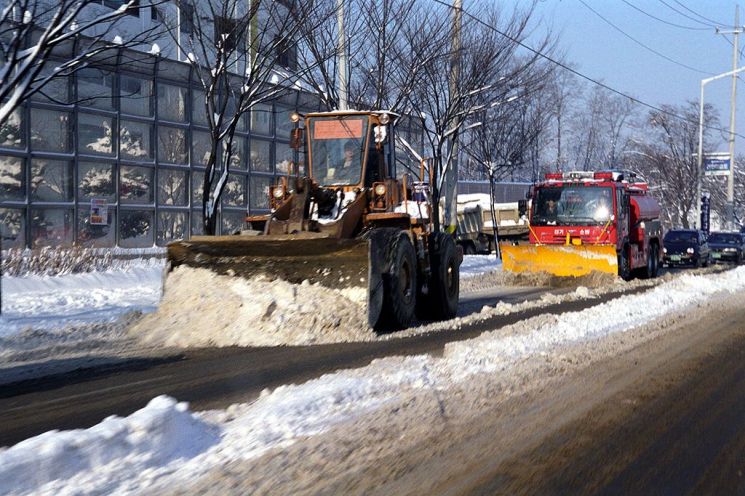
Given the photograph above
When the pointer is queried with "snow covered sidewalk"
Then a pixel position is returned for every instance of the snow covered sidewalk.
(166, 446)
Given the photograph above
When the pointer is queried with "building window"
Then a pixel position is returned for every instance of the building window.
(284, 124)
(172, 145)
(226, 28)
(198, 110)
(232, 222)
(95, 88)
(259, 193)
(197, 186)
(173, 187)
(96, 181)
(135, 185)
(171, 103)
(95, 235)
(136, 96)
(12, 179)
(135, 140)
(56, 90)
(200, 148)
(286, 53)
(135, 229)
(51, 180)
(283, 158)
(51, 226)
(234, 194)
(186, 11)
(133, 10)
(197, 227)
(171, 226)
(12, 228)
(260, 156)
(50, 130)
(95, 134)
(11, 132)
(261, 119)
(238, 154)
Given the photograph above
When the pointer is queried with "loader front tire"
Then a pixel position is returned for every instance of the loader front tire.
(399, 284)
(441, 300)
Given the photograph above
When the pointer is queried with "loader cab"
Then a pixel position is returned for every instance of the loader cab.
(348, 149)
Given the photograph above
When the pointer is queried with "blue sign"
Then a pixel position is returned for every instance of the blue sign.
(716, 164)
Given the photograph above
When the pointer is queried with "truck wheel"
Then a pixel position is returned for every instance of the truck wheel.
(624, 266)
(399, 284)
(441, 300)
(655, 260)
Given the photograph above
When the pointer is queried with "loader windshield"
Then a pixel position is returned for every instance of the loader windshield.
(337, 149)
(572, 206)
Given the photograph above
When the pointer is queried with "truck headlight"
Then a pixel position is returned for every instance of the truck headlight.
(690, 251)
(664, 250)
(730, 249)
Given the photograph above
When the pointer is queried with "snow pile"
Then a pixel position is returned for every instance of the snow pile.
(125, 459)
(201, 308)
(476, 265)
(37, 302)
(57, 260)
(155, 436)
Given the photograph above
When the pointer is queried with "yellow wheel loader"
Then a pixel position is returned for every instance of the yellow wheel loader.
(346, 221)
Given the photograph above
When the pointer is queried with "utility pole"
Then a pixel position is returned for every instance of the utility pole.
(451, 173)
(342, 56)
(730, 209)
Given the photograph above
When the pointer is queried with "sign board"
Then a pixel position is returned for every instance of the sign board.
(716, 164)
(337, 129)
(99, 212)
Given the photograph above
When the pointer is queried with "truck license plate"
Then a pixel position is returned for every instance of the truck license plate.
(675, 258)
(716, 255)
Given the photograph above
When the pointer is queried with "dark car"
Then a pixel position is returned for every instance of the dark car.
(726, 247)
(686, 247)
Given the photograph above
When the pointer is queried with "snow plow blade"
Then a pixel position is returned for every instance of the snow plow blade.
(560, 260)
(331, 262)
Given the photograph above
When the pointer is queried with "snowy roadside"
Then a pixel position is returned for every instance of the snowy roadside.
(165, 446)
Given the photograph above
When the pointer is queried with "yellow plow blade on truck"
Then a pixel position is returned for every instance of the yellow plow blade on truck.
(560, 260)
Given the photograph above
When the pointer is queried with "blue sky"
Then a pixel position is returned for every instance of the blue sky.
(602, 52)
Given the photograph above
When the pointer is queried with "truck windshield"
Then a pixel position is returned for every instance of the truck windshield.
(572, 206)
(337, 146)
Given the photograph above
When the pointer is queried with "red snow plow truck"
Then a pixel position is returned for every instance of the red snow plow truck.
(586, 221)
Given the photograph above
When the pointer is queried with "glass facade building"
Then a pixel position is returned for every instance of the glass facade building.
(130, 142)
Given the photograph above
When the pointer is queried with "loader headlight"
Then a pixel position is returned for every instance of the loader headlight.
(279, 192)
(384, 119)
(380, 189)
(690, 251)
(295, 117)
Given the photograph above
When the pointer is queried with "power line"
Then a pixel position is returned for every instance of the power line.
(681, 64)
(699, 15)
(711, 25)
(663, 20)
(579, 74)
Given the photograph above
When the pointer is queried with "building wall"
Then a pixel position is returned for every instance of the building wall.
(135, 140)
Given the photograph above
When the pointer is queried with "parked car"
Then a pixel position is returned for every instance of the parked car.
(727, 247)
(686, 247)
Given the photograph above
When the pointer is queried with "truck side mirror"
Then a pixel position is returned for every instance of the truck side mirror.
(296, 138)
(529, 193)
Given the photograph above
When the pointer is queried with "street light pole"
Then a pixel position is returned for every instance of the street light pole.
(700, 157)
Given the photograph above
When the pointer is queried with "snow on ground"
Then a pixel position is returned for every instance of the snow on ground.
(166, 446)
(49, 302)
(476, 265)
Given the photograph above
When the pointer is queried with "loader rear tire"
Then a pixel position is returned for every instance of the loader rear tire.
(399, 284)
(441, 300)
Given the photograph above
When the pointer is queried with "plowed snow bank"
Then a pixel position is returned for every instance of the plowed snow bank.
(201, 308)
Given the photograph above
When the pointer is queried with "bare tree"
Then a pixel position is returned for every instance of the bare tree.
(664, 153)
(445, 102)
(80, 32)
(243, 54)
